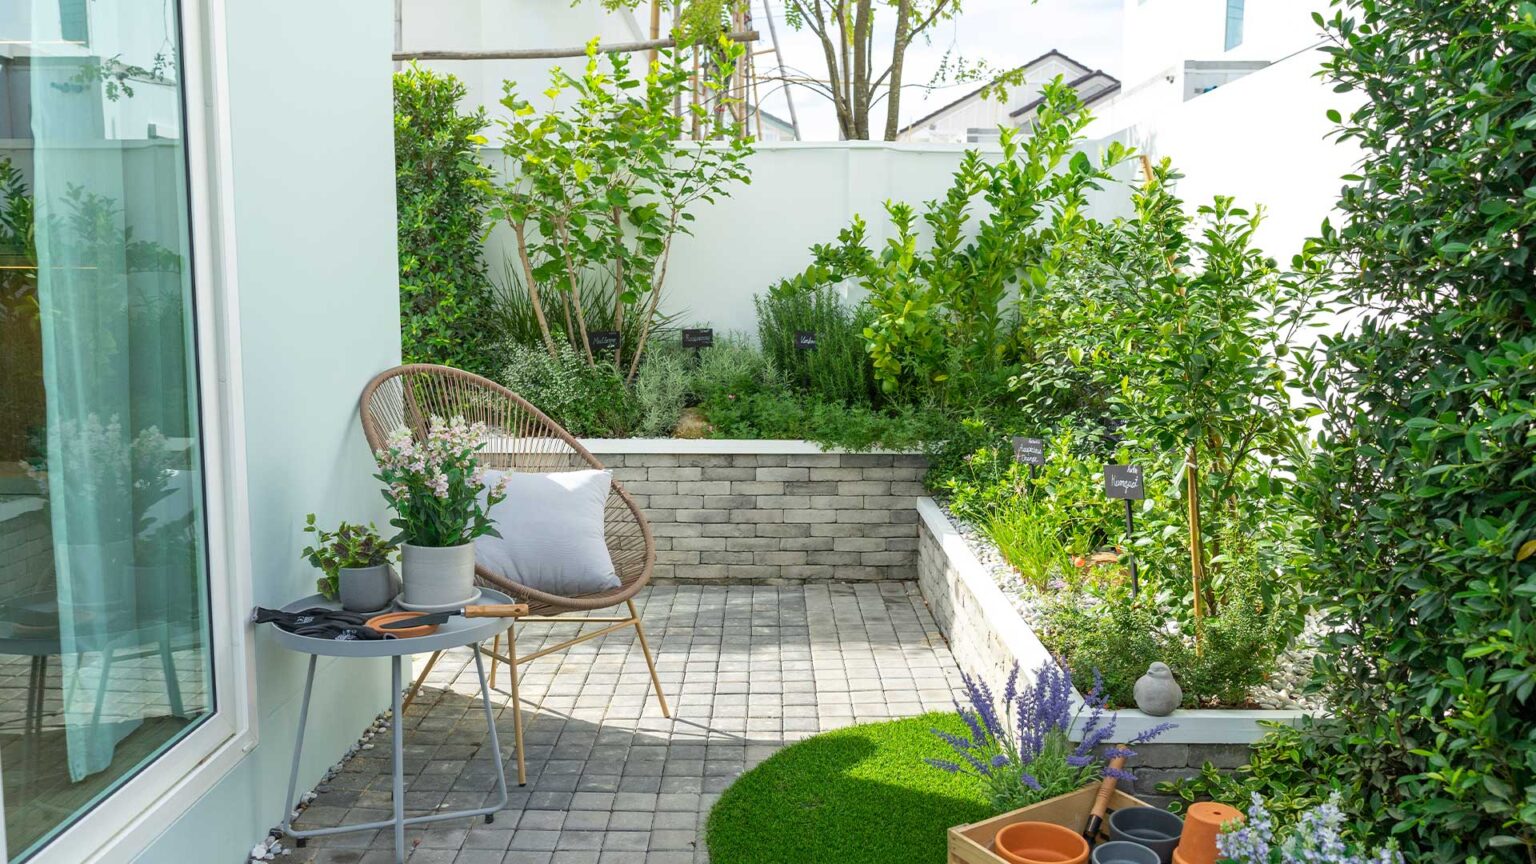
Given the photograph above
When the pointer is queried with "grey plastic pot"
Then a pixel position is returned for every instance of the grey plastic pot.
(437, 578)
(1155, 829)
(366, 589)
(1123, 852)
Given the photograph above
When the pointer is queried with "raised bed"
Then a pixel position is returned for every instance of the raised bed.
(988, 636)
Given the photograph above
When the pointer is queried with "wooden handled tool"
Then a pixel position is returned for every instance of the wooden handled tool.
(1101, 801)
(492, 610)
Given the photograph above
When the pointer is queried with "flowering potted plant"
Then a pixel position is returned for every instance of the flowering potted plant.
(1022, 750)
(1318, 836)
(353, 562)
(438, 492)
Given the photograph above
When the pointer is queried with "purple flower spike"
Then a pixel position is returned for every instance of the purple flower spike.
(944, 765)
(1028, 780)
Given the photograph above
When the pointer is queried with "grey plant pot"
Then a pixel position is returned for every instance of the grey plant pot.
(366, 589)
(437, 578)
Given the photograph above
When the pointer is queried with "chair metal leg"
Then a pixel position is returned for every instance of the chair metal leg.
(517, 706)
(416, 685)
(646, 650)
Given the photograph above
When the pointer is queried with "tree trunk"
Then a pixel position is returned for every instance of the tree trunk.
(575, 295)
(618, 295)
(519, 230)
(862, 28)
(898, 57)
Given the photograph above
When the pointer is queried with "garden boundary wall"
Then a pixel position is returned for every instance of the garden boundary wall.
(771, 511)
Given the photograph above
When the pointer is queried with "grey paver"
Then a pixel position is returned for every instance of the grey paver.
(747, 669)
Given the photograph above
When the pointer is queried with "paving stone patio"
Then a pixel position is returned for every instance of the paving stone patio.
(747, 669)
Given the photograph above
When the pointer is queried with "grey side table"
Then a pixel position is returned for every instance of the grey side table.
(457, 632)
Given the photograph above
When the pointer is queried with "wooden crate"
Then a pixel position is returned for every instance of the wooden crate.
(972, 844)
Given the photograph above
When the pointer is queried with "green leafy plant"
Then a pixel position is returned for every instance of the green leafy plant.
(837, 370)
(1424, 548)
(348, 545)
(661, 391)
(602, 185)
(442, 191)
(590, 401)
(436, 486)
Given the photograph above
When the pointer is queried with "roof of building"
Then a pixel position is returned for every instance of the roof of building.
(1110, 83)
(977, 92)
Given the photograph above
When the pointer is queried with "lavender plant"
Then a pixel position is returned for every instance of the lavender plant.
(1316, 839)
(1022, 748)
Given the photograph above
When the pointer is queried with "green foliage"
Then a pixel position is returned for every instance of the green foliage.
(601, 185)
(1423, 487)
(512, 314)
(943, 318)
(661, 391)
(590, 401)
(441, 194)
(348, 546)
(840, 789)
(1121, 637)
(837, 371)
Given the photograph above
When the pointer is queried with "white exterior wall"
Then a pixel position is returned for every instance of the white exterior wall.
(488, 25)
(800, 195)
(314, 221)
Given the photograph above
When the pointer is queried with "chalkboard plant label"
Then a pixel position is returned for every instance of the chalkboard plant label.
(1123, 481)
(1028, 451)
(603, 340)
(805, 340)
(698, 337)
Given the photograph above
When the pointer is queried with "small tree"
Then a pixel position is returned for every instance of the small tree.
(442, 190)
(603, 187)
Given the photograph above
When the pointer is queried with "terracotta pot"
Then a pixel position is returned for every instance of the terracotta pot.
(1197, 845)
(1040, 843)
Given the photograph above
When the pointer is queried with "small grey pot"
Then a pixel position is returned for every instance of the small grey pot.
(366, 589)
(1157, 694)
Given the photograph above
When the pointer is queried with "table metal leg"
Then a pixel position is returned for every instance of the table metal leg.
(291, 802)
(398, 819)
(490, 729)
(398, 728)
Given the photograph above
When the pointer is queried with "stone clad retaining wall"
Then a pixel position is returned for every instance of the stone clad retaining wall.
(771, 510)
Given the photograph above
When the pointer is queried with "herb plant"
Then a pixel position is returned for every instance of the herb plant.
(1022, 748)
(348, 546)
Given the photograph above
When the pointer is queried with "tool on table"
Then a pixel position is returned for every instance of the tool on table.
(1101, 801)
(432, 619)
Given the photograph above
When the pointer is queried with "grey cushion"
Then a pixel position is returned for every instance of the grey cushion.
(551, 532)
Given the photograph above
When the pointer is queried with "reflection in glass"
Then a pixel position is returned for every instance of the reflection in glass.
(104, 647)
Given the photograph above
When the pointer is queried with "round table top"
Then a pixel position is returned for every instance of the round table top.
(456, 632)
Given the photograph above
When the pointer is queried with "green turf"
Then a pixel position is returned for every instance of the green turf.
(856, 795)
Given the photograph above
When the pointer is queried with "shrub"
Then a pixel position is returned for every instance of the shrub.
(837, 370)
(1425, 540)
(589, 401)
(661, 391)
(441, 196)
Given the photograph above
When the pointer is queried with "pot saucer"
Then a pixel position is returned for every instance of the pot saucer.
(437, 607)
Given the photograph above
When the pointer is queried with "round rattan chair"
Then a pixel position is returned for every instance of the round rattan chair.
(521, 438)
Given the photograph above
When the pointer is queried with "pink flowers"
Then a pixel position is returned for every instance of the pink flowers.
(436, 485)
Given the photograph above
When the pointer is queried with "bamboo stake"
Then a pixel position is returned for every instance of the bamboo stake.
(1196, 550)
(557, 53)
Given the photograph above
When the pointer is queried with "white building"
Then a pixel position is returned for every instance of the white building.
(1173, 51)
(975, 118)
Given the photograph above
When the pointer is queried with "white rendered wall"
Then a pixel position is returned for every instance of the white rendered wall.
(319, 315)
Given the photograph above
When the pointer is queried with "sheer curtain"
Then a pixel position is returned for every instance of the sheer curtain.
(114, 297)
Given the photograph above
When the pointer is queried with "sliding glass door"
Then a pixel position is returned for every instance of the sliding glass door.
(105, 658)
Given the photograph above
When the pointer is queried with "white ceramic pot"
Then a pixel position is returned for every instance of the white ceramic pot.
(437, 578)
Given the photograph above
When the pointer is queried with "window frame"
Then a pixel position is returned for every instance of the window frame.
(124, 824)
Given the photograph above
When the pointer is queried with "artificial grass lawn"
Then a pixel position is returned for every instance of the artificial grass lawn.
(861, 794)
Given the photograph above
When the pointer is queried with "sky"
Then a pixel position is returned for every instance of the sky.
(1005, 33)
